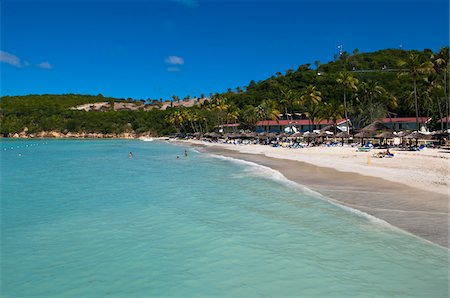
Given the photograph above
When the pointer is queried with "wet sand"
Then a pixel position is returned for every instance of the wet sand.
(422, 213)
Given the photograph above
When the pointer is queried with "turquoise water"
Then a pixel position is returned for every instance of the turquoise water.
(81, 219)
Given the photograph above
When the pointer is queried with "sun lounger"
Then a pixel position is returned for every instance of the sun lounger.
(364, 149)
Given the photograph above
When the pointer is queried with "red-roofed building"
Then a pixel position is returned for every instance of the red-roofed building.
(404, 123)
(300, 125)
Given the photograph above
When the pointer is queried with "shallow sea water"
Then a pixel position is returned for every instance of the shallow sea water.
(81, 219)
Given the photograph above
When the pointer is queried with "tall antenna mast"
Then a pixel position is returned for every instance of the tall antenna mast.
(340, 49)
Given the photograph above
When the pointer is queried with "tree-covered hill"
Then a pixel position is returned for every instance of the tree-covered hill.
(363, 86)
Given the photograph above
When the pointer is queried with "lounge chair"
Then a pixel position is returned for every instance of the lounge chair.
(363, 149)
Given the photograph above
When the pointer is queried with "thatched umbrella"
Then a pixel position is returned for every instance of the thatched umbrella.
(263, 134)
(402, 134)
(366, 134)
(329, 128)
(440, 135)
(214, 135)
(252, 135)
(198, 135)
(343, 134)
(284, 135)
(324, 133)
(272, 135)
(376, 126)
(296, 135)
(385, 135)
(311, 135)
(418, 136)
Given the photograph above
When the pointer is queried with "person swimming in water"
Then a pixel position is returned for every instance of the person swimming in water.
(185, 153)
(178, 157)
(130, 155)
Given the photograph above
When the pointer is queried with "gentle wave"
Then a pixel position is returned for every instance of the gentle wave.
(269, 173)
(277, 176)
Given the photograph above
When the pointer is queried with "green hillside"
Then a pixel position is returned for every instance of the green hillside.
(373, 83)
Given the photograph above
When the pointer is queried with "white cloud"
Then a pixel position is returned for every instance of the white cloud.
(45, 65)
(10, 59)
(189, 3)
(173, 69)
(175, 60)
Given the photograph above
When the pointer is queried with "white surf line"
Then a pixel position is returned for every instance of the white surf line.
(392, 210)
(336, 203)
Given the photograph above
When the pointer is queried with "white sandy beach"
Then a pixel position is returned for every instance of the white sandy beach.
(427, 169)
(409, 191)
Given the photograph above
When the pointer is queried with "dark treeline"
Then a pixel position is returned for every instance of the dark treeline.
(363, 86)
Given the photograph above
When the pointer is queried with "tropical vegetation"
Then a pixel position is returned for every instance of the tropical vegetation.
(357, 86)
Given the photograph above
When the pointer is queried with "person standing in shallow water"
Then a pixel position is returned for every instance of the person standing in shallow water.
(130, 155)
(185, 153)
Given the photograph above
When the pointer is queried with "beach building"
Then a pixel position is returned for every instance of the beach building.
(405, 123)
(298, 125)
(230, 127)
(446, 121)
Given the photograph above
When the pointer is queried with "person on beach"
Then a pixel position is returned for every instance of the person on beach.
(130, 155)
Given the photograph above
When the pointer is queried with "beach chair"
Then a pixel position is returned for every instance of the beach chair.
(363, 149)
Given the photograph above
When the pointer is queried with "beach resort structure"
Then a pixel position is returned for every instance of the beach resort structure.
(405, 123)
(301, 125)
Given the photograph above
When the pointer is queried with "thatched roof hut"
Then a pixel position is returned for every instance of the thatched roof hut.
(418, 136)
(310, 135)
(214, 135)
(262, 134)
(366, 134)
(385, 135)
(343, 134)
(325, 134)
(376, 126)
(329, 128)
(402, 134)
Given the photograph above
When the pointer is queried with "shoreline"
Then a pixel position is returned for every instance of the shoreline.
(422, 213)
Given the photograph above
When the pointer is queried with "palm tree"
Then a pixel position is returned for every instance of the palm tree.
(311, 99)
(220, 104)
(249, 115)
(233, 116)
(441, 66)
(332, 111)
(177, 118)
(268, 109)
(414, 67)
(349, 84)
(289, 97)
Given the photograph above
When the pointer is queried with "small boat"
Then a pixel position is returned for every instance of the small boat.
(146, 139)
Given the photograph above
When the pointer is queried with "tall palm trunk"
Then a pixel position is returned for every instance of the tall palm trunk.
(447, 111)
(438, 102)
(345, 112)
(416, 105)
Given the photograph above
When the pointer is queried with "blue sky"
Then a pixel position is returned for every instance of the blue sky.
(152, 49)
